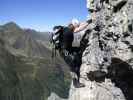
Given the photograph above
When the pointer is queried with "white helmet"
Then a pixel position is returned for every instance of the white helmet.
(75, 22)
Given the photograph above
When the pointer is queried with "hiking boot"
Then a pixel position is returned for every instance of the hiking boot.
(77, 84)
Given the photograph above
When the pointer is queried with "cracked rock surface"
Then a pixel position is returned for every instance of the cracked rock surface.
(109, 50)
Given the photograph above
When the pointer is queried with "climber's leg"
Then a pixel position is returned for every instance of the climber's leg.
(74, 61)
(77, 64)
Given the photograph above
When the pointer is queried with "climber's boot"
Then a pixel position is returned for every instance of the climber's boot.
(77, 84)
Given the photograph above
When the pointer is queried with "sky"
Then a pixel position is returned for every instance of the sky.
(42, 15)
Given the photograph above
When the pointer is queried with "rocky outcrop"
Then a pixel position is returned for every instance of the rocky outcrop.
(54, 96)
(107, 62)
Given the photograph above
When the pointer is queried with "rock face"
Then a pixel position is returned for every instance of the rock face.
(107, 62)
(54, 96)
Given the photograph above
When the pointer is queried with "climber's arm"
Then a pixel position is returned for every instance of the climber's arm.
(82, 26)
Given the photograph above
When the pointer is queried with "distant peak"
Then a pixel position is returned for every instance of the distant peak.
(11, 24)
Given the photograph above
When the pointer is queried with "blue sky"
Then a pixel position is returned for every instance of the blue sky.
(42, 15)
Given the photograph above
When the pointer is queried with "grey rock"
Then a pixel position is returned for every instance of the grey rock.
(110, 50)
(54, 96)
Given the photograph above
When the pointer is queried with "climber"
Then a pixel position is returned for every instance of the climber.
(72, 55)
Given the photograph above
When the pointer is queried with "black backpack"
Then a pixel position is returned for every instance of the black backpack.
(57, 39)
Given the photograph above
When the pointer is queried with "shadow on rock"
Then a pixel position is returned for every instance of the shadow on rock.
(121, 73)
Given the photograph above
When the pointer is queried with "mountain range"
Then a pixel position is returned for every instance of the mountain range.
(27, 71)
